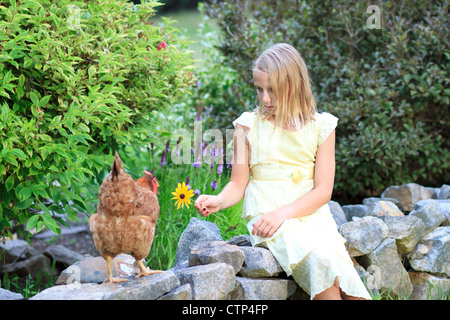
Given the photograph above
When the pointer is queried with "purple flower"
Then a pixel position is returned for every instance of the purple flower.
(214, 185)
(163, 158)
(197, 192)
(168, 146)
(219, 168)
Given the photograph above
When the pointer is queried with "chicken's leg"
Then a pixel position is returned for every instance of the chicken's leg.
(110, 277)
(145, 271)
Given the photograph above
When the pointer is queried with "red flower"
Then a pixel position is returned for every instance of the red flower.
(162, 45)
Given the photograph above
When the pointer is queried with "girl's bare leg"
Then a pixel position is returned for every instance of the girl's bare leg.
(332, 293)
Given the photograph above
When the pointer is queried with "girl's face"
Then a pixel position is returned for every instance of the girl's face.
(264, 90)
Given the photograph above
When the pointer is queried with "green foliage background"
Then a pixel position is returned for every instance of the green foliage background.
(389, 86)
(78, 80)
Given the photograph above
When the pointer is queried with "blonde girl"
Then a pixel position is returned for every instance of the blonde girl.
(287, 148)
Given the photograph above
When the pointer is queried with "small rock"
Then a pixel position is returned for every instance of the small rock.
(149, 287)
(213, 281)
(444, 192)
(367, 278)
(383, 209)
(355, 210)
(264, 289)
(259, 263)
(368, 201)
(406, 231)
(429, 287)
(431, 215)
(63, 255)
(34, 266)
(337, 213)
(217, 251)
(16, 250)
(442, 205)
(242, 240)
(197, 232)
(93, 269)
(363, 235)
(183, 292)
(76, 291)
(385, 265)
(9, 295)
(432, 253)
(408, 194)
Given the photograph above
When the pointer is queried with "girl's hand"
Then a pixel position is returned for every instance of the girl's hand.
(269, 223)
(205, 204)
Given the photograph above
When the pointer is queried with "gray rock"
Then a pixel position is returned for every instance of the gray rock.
(145, 288)
(213, 281)
(259, 263)
(217, 251)
(408, 194)
(183, 292)
(197, 232)
(16, 250)
(337, 213)
(264, 289)
(61, 254)
(444, 192)
(368, 279)
(385, 265)
(442, 205)
(432, 253)
(149, 287)
(429, 287)
(76, 291)
(35, 266)
(94, 270)
(431, 215)
(9, 295)
(354, 210)
(383, 209)
(242, 240)
(368, 201)
(406, 231)
(363, 235)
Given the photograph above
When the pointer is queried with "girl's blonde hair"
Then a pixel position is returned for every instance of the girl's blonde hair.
(290, 84)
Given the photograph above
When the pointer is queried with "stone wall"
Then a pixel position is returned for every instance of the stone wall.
(399, 243)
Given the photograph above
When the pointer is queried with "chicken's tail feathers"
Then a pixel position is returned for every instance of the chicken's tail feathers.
(117, 167)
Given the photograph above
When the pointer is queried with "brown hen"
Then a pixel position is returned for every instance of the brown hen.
(126, 216)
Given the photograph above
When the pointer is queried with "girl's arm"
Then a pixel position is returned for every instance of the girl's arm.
(234, 191)
(310, 202)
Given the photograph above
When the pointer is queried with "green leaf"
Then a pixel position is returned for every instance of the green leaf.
(9, 183)
(32, 221)
(34, 99)
(19, 153)
(25, 204)
(91, 71)
(45, 100)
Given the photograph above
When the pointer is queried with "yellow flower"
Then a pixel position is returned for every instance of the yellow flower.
(297, 176)
(183, 195)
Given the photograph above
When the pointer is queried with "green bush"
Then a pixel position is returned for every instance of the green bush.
(388, 86)
(78, 79)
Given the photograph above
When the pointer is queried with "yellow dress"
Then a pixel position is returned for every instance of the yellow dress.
(282, 162)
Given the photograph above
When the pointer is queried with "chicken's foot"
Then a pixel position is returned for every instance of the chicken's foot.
(110, 277)
(145, 271)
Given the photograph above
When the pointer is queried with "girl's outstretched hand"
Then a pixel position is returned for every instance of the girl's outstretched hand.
(205, 204)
